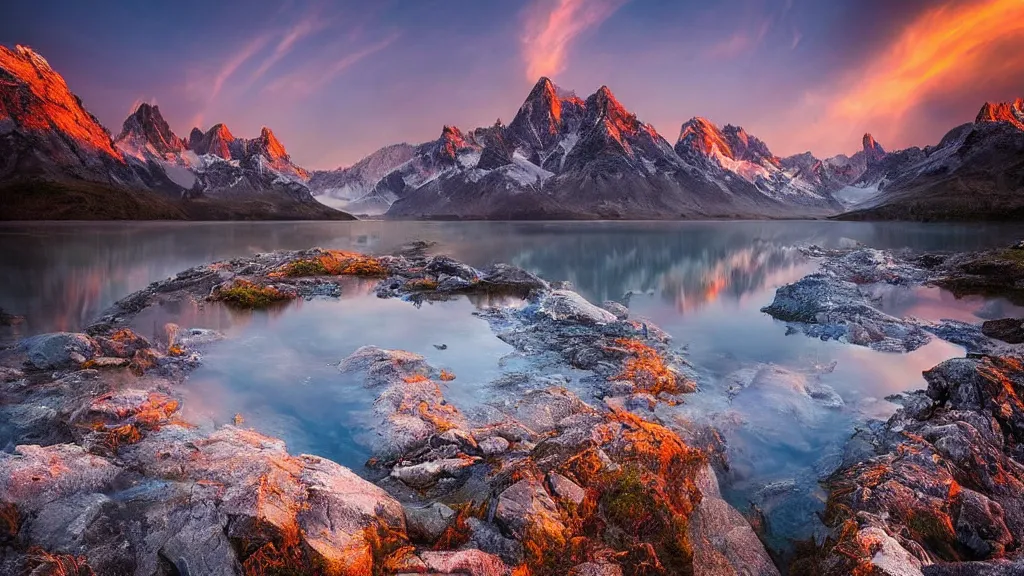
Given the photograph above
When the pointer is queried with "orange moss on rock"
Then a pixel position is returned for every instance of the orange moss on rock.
(143, 360)
(458, 533)
(251, 296)
(447, 376)
(422, 284)
(416, 378)
(158, 410)
(441, 416)
(635, 514)
(43, 563)
(335, 263)
(389, 550)
(646, 369)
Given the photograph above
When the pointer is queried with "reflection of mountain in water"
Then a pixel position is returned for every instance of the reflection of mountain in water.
(60, 277)
(688, 267)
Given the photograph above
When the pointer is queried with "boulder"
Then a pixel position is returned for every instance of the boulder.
(58, 350)
(464, 563)
(723, 541)
(527, 505)
(493, 446)
(566, 489)
(1009, 330)
(426, 523)
(567, 306)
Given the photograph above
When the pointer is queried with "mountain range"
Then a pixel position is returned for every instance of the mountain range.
(561, 157)
(58, 162)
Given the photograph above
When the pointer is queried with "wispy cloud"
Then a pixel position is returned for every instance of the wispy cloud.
(310, 24)
(236, 59)
(317, 74)
(551, 28)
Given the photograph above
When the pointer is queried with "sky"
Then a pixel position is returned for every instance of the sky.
(337, 80)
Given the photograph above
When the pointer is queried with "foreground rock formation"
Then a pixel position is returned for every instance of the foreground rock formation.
(941, 491)
(101, 476)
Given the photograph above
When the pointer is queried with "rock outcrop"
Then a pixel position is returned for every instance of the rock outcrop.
(943, 492)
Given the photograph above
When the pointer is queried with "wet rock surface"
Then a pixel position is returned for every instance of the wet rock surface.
(100, 471)
(843, 300)
(944, 482)
(579, 467)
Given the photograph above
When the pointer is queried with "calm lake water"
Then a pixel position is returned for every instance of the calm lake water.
(703, 282)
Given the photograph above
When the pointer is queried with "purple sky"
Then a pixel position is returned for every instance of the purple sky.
(337, 80)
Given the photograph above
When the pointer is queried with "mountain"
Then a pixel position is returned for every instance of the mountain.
(565, 157)
(338, 187)
(727, 153)
(976, 172)
(58, 162)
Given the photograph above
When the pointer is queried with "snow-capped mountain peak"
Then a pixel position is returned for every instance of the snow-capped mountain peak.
(147, 127)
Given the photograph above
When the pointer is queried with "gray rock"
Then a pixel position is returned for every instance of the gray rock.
(493, 446)
(723, 541)
(563, 305)
(52, 472)
(1009, 330)
(505, 278)
(427, 523)
(427, 474)
(620, 311)
(523, 504)
(980, 525)
(464, 563)
(566, 489)
(58, 350)
(541, 410)
(596, 569)
(487, 537)
(829, 308)
(438, 266)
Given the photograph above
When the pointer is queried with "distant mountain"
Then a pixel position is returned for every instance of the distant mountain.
(731, 152)
(57, 161)
(564, 157)
(976, 172)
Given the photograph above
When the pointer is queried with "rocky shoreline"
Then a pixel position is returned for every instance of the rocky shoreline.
(100, 475)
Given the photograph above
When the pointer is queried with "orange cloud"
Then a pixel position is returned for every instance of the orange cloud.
(946, 47)
(950, 50)
(552, 26)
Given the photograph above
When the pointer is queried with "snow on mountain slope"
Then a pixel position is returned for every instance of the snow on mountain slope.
(975, 172)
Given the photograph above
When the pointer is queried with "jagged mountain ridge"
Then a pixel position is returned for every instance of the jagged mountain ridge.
(975, 172)
(58, 161)
(562, 156)
(215, 162)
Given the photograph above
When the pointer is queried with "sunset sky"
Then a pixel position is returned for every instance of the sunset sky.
(337, 80)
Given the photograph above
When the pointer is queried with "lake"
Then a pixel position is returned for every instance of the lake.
(703, 282)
